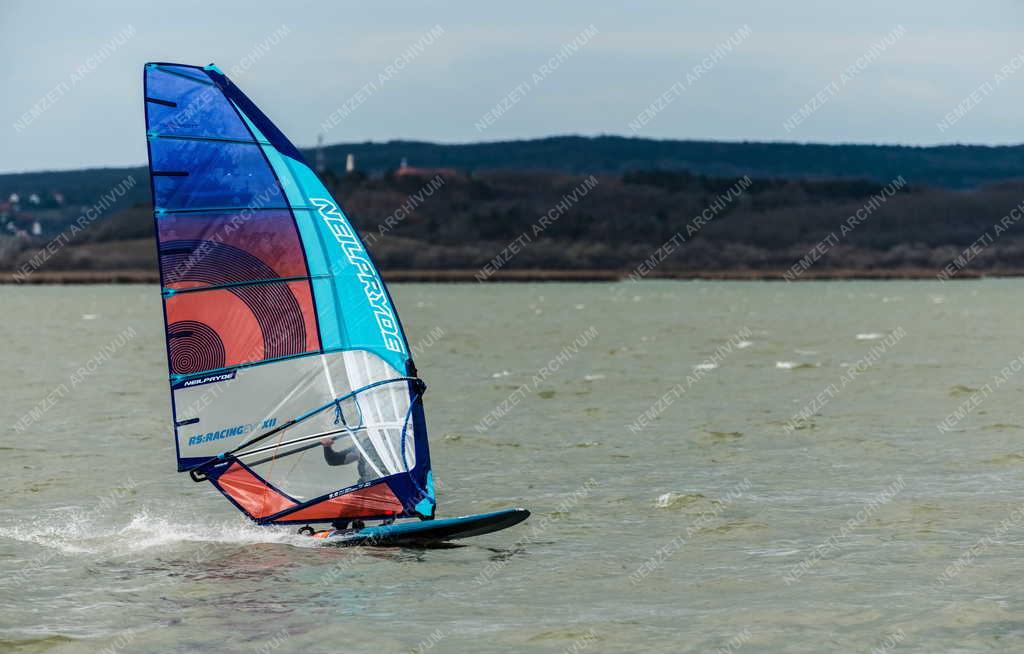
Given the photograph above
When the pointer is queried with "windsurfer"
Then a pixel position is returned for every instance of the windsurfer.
(344, 457)
(334, 458)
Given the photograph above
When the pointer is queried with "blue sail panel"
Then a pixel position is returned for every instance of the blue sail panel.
(179, 103)
(205, 175)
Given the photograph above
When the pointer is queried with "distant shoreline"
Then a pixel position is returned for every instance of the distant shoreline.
(540, 275)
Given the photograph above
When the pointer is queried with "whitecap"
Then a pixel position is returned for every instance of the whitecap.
(870, 336)
(677, 500)
(773, 552)
(793, 365)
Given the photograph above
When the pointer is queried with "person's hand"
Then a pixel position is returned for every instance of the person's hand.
(326, 442)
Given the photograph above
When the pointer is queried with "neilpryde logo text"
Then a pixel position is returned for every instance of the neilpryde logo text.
(208, 380)
(230, 431)
(356, 255)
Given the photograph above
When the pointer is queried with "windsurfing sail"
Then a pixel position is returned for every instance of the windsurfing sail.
(293, 390)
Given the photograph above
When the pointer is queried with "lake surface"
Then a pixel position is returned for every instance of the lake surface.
(711, 466)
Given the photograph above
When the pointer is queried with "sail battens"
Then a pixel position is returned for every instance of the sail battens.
(178, 73)
(160, 211)
(168, 292)
(282, 342)
(182, 378)
(213, 139)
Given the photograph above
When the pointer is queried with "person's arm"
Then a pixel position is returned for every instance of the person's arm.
(344, 457)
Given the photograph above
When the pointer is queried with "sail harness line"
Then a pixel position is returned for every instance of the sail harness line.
(195, 472)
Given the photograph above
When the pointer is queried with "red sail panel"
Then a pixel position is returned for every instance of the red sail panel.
(368, 502)
(251, 493)
(214, 249)
(218, 328)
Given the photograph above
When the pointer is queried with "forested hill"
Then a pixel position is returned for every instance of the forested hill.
(952, 166)
(646, 192)
(617, 223)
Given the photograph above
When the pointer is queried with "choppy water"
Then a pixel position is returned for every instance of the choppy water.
(723, 520)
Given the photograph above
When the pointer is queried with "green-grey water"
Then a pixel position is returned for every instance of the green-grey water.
(712, 466)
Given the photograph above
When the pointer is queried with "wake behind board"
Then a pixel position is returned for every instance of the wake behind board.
(431, 532)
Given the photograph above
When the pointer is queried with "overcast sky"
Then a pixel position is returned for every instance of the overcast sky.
(913, 63)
